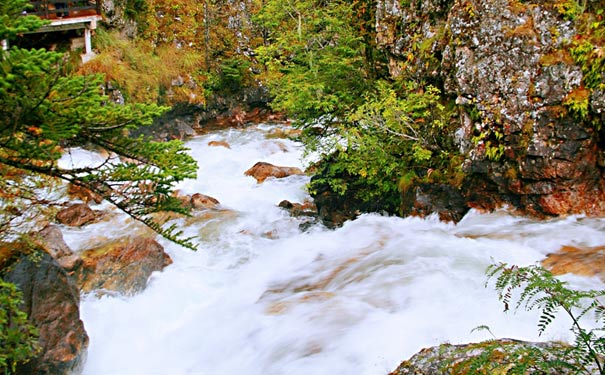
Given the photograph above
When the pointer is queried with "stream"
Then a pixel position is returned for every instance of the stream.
(263, 297)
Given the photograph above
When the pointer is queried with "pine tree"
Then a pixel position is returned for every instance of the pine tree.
(44, 112)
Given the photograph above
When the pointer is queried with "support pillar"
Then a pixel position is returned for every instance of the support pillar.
(87, 40)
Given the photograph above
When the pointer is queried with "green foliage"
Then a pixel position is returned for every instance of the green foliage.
(18, 338)
(570, 9)
(587, 51)
(315, 58)
(233, 74)
(12, 23)
(42, 112)
(396, 138)
(539, 289)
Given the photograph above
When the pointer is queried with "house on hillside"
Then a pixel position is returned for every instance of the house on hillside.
(75, 20)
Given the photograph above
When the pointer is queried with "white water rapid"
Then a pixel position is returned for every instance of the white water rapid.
(262, 297)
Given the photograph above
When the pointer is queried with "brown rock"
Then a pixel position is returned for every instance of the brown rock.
(52, 304)
(261, 171)
(76, 215)
(219, 144)
(123, 266)
(587, 261)
(50, 239)
(203, 202)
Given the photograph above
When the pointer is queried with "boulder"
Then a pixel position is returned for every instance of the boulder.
(583, 261)
(122, 265)
(261, 171)
(76, 215)
(51, 301)
(502, 356)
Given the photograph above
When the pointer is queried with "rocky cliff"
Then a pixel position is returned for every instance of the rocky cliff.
(528, 80)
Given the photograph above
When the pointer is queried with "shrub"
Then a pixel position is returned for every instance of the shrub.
(18, 338)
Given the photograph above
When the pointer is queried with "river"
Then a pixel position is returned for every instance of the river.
(263, 297)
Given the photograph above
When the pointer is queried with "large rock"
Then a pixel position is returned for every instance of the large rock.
(261, 171)
(124, 265)
(490, 357)
(506, 65)
(51, 300)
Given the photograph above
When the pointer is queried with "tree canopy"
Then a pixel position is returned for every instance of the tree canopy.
(44, 112)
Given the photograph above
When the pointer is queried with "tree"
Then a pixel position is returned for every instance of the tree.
(314, 58)
(399, 136)
(44, 112)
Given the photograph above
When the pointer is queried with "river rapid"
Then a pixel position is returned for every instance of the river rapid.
(263, 297)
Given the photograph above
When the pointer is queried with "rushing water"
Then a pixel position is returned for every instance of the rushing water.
(262, 297)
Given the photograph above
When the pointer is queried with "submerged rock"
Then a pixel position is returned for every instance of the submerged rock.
(261, 171)
(51, 301)
(586, 261)
(224, 144)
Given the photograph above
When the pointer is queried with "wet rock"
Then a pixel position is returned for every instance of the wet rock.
(306, 208)
(261, 171)
(76, 215)
(224, 144)
(197, 201)
(500, 355)
(123, 265)
(52, 304)
(445, 200)
(583, 261)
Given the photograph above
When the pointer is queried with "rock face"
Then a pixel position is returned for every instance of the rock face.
(123, 266)
(507, 66)
(52, 304)
(497, 357)
(261, 171)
